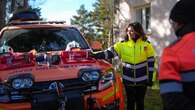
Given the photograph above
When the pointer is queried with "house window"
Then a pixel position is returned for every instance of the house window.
(143, 15)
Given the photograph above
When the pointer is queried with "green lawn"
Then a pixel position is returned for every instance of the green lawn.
(153, 100)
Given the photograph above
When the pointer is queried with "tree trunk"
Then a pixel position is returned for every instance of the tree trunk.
(2, 12)
(13, 5)
(25, 4)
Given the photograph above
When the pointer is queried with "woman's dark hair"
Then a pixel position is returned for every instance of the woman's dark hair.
(138, 29)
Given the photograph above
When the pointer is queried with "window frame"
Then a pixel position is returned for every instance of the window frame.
(143, 18)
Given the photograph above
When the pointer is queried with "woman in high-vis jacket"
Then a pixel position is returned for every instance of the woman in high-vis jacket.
(137, 56)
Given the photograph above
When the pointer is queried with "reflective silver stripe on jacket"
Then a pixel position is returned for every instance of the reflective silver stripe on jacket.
(170, 87)
(152, 59)
(142, 78)
(111, 49)
(116, 58)
(137, 66)
(106, 55)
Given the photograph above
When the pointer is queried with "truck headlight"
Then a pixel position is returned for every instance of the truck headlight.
(22, 83)
(4, 93)
(106, 81)
(89, 75)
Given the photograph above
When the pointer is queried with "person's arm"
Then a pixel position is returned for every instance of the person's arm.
(171, 88)
(106, 54)
(173, 98)
(151, 61)
(109, 53)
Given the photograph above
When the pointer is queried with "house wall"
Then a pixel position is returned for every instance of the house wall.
(123, 16)
(162, 35)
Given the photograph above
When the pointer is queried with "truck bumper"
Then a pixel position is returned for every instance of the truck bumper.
(109, 99)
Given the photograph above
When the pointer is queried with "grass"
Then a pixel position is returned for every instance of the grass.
(153, 100)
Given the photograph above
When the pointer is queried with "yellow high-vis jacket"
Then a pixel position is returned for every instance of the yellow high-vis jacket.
(137, 59)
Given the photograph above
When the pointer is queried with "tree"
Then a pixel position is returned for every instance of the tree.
(13, 5)
(97, 23)
(103, 18)
(2, 12)
(84, 22)
(8, 7)
(19, 5)
(34, 6)
(25, 4)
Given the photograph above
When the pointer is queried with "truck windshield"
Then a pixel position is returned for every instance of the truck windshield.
(42, 39)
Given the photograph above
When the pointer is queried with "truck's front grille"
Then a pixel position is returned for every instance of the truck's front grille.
(51, 87)
(65, 85)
